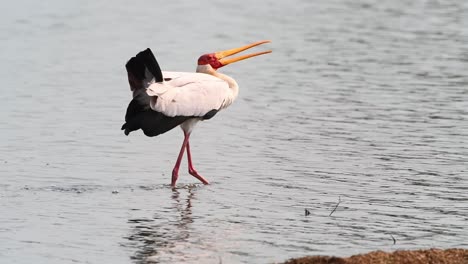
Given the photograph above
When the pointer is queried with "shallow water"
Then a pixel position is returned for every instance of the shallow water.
(364, 104)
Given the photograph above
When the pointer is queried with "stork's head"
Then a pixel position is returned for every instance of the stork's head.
(218, 59)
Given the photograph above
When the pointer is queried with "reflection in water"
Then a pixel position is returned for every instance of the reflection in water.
(153, 236)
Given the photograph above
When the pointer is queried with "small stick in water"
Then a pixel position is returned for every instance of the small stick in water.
(394, 240)
(334, 209)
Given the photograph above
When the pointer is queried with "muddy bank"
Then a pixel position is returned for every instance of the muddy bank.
(428, 256)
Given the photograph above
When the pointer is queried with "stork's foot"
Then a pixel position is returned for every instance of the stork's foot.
(195, 174)
(175, 176)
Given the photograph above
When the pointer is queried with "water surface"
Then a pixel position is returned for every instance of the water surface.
(363, 103)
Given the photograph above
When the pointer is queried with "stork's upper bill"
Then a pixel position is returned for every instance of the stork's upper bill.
(218, 59)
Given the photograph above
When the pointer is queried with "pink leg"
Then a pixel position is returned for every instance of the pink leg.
(175, 171)
(191, 169)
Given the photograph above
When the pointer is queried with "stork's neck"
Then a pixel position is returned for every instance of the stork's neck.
(231, 82)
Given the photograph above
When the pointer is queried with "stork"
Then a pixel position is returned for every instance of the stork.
(164, 100)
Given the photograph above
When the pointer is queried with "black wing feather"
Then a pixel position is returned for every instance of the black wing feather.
(140, 116)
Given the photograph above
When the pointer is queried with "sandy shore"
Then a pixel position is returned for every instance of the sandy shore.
(428, 256)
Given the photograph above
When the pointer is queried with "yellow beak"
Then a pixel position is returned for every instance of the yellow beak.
(221, 56)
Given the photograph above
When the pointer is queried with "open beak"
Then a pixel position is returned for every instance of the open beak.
(221, 56)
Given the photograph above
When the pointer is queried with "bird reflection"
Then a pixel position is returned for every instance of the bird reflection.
(165, 230)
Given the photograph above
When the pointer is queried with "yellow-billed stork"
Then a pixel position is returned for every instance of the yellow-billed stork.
(164, 100)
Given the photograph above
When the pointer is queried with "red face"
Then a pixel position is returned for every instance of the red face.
(210, 59)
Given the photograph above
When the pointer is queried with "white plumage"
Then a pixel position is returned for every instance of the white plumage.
(189, 94)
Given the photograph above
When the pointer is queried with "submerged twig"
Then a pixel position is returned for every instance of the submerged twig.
(334, 209)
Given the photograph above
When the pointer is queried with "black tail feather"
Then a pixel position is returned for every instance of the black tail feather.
(144, 60)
